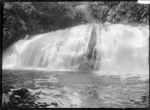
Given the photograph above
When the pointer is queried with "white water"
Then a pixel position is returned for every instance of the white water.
(120, 49)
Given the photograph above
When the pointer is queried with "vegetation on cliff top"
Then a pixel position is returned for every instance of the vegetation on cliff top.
(22, 18)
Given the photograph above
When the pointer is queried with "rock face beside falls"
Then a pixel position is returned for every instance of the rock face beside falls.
(91, 55)
(102, 47)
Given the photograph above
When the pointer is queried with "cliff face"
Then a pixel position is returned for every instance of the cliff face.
(91, 56)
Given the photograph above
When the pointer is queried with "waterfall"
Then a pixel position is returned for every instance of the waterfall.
(97, 47)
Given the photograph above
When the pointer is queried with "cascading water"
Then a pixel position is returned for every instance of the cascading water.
(105, 48)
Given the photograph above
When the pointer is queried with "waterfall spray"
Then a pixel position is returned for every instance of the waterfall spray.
(105, 48)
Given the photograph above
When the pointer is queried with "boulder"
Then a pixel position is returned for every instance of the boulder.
(23, 92)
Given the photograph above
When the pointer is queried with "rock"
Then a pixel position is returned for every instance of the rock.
(23, 92)
(54, 103)
(14, 100)
(43, 105)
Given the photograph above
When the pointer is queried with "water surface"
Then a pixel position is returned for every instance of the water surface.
(82, 88)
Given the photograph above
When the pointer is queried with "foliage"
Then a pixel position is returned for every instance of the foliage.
(129, 12)
(22, 18)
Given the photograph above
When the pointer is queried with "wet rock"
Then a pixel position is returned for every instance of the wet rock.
(14, 100)
(23, 92)
(145, 100)
(54, 103)
(43, 105)
(19, 98)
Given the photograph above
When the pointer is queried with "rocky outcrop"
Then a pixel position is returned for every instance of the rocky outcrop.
(91, 56)
(43, 93)
(92, 44)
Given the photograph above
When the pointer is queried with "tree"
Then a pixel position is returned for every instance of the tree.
(40, 17)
